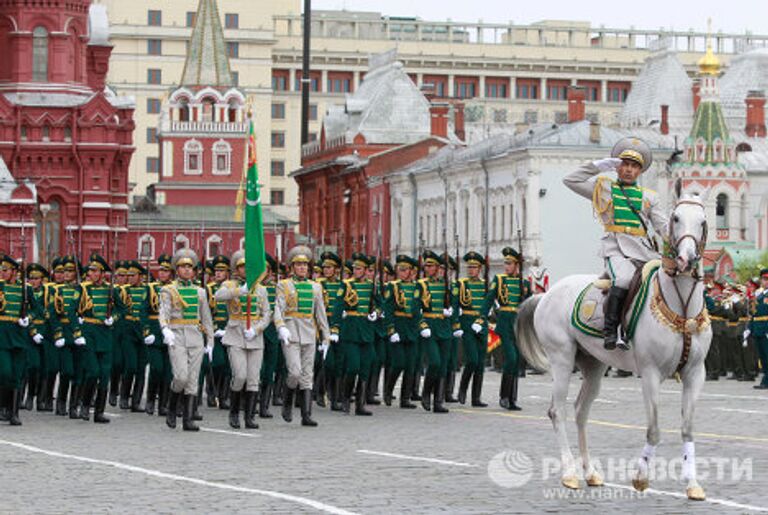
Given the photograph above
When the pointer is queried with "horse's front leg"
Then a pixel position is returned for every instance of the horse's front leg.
(651, 385)
(693, 380)
(561, 376)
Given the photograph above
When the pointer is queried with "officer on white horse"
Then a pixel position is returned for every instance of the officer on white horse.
(626, 211)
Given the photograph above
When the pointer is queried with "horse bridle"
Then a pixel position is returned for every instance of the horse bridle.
(700, 244)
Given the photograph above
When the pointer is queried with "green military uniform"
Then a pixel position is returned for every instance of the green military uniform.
(157, 353)
(120, 341)
(474, 324)
(713, 361)
(333, 368)
(379, 355)
(743, 347)
(66, 307)
(453, 352)
(505, 294)
(403, 318)
(53, 328)
(216, 371)
(273, 355)
(39, 352)
(134, 348)
(758, 328)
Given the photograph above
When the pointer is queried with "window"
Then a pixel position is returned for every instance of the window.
(312, 136)
(191, 18)
(154, 76)
(151, 135)
(154, 18)
(531, 117)
(527, 88)
(154, 47)
(496, 88)
(280, 80)
(557, 90)
(232, 21)
(314, 81)
(181, 242)
(721, 211)
(277, 197)
(277, 168)
(67, 134)
(339, 82)
(184, 110)
(153, 165)
(278, 111)
(466, 87)
(235, 78)
(153, 105)
(233, 49)
(146, 250)
(214, 245)
(40, 54)
(46, 133)
(24, 136)
(222, 154)
(278, 140)
(193, 158)
(313, 112)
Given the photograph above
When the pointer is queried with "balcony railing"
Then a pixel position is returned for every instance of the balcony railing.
(315, 147)
(209, 127)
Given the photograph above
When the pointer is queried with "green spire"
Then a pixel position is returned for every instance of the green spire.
(207, 62)
(709, 129)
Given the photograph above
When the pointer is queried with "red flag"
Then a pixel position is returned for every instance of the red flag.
(494, 340)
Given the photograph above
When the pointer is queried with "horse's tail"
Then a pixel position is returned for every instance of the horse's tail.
(527, 340)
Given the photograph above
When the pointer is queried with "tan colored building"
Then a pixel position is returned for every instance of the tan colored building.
(508, 73)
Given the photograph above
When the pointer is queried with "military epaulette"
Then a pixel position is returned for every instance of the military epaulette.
(322, 280)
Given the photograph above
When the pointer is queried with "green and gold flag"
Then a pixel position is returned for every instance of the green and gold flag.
(255, 259)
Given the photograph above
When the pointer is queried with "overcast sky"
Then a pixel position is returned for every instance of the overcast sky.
(731, 16)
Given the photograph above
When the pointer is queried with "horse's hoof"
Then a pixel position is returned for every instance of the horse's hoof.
(594, 480)
(696, 493)
(640, 484)
(571, 482)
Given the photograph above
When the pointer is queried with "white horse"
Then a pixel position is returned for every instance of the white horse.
(676, 325)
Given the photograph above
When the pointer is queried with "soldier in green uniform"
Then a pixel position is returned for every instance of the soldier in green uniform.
(353, 324)
(403, 318)
(758, 326)
(70, 335)
(120, 339)
(439, 326)
(51, 362)
(453, 350)
(744, 349)
(100, 305)
(184, 315)
(380, 334)
(216, 370)
(17, 310)
(73, 273)
(134, 351)
(506, 293)
(38, 351)
(472, 292)
(334, 358)
(713, 361)
(272, 349)
(157, 353)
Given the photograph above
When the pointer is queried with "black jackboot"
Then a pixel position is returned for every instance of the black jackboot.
(137, 393)
(406, 387)
(338, 397)
(416, 384)
(234, 410)
(198, 402)
(450, 386)
(360, 399)
(250, 410)
(513, 396)
(505, 390)
(74, 399)
(15, 400)
(318, 388)
(306, 409)
(466, 375)
(390, 379)
(149, 407)
(288, 404)
(50, 385)
(170, 415)
(87, 395)
(439, 396)
(101, 404)
(162, 401)
(349, 386)
(114, 388)
(31, 393)
(278, 388)
(42, 392)
(225, 400)
(426, 394)
(188, 424)
(264, 400)
(613, 305)
(61, 397)
(372, 390)
(477, 390)
(125, 392)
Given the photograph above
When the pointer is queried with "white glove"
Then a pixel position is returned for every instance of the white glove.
(80, 341)
(608, 164)
(381, 315)
(149, 340)
(745, 343)
(373, 316)
(448, 312)
(344, 314)
(168, 337)
(284, 334)
(426, 333)
(59, 343)
(334, 338)
(395, 338)
(38, 338)
(324, 349)
(458, 333)
(209, 350)
(109, 321)
(24, 322)
(746, 333)
(80, 320)
(250, 334)
(219, 333)
(477, 328)
(244, 290)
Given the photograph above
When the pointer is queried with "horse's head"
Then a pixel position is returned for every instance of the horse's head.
(687, 232)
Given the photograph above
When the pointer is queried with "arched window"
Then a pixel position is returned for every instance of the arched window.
(184, 110)
(209, 109)
(214, 244)
(181, 242)
(721, 211)
(193, 157)
(222, 153)
(146, 249)
(40, 54)
(232, 111)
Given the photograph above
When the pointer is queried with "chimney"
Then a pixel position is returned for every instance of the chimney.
(97, 66)
(594, 132)
(696, 89)
(664, 120)
(438, 114)
(576, 95)
(755, 114)
(458, 120)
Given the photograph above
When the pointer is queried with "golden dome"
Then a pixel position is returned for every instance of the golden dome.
(709, 64)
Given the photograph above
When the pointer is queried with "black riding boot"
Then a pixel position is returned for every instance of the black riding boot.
(137, 393)
(49, 392)
(338, 399)
(125, 391)
(333, 393)
(88, 390)
(234, 410)
(101, 404)
(440, 397)
(188, 424)
(114, 388)
(466, 375)
(450, 386)
(31, 393)
(477, 390)
(360, 399)
(42, 392)
(306, 409)
(415, 396)
(15, 399)
(61, 397)
(225, 400)
(74, 399)
(513, 396)
(149, 407)
(162, 399)
(372, 389)
(278, 388)
(505, 390)
(170, 415)
(318, 388)
(349, 386)
(390, 379)
(288, 404)
(250, 410)
(406, 387)
(264, 400)
(426, 394)
(613, 305)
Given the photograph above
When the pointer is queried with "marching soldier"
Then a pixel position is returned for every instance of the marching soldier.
(334, 359)
(157, 354)
(380, 335)
(299, 315)
(272, 350)
(217, 372)
(472, 292)
(248, 317)
(52, 361)
(713, 361)
(121, 351)
(39, 354)
(134, 347)
(439, 326)
(453, 352)
(354, 324)
(742, 349)
(403, 318)
(506, 293)
(70, 336)
(100, 305)
(758, 326)
(185, 320)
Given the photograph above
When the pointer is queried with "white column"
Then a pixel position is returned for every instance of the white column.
(604, 90)
(512, 88)
(451, 89)
(543, 92)
(481, 93)
(324, 80)
(355, 80)
(292, 80)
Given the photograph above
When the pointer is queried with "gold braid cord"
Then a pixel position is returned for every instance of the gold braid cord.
(176, 300)
(465, 294)
(502, 292)
(600, 206)
(399, 295)
(662, 312)
(291, 295)
(86, 303)
(350, 295)
(426, 295)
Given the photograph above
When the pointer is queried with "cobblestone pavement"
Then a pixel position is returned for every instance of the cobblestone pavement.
(395, 461)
